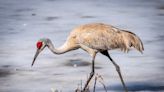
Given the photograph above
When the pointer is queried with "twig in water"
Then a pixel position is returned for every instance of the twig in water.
(98, 78)
(102, 82)
(53, 90)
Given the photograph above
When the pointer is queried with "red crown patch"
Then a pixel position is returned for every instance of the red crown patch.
(39, 45)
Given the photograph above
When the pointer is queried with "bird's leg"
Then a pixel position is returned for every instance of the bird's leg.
(117, 69)
(91, 75)
(119, 73)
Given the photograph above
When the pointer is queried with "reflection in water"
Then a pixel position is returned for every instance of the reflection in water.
(52, 18)
(77, 62)
(4, 73)
(137, 87)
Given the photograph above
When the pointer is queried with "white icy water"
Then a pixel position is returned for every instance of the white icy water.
(23, 22)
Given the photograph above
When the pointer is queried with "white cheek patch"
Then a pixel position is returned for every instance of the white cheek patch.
(43, 45)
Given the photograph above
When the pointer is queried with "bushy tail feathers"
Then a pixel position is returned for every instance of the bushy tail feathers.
(137, 43)
(134, 41)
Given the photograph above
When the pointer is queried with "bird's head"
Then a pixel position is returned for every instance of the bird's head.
(41, 44)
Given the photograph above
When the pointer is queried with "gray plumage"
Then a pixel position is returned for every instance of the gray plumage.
(94, 38)
(102, 37)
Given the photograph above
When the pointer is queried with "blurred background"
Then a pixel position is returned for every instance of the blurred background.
(24, 22)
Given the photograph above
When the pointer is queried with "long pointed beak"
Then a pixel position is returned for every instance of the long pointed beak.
(36, 54)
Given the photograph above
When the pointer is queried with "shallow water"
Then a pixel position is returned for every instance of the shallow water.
(23, 22)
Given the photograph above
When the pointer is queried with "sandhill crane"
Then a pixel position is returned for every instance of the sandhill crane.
(94, 38)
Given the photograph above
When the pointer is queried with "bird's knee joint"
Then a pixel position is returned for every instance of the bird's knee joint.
(92, 73)
(117, 68)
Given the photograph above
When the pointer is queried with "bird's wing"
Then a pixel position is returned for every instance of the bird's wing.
(104, 37)
(100, 39)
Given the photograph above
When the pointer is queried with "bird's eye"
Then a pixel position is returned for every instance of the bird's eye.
(39, 45)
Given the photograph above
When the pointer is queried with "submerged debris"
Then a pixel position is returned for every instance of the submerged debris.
(96, 78)
(55, 90)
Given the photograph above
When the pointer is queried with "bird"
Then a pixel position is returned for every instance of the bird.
(95, 38)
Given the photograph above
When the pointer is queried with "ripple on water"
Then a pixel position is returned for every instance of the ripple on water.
(160, 7)
(77, 62)
(50, 0)
(87, 16)
(51, 18)
(5, 73)
(24, 10)
(137, 86)
(6, 66)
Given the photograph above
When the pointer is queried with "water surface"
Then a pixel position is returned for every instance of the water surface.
(23, 22)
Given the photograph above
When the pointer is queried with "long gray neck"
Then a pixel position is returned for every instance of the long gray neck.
(60, 50)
